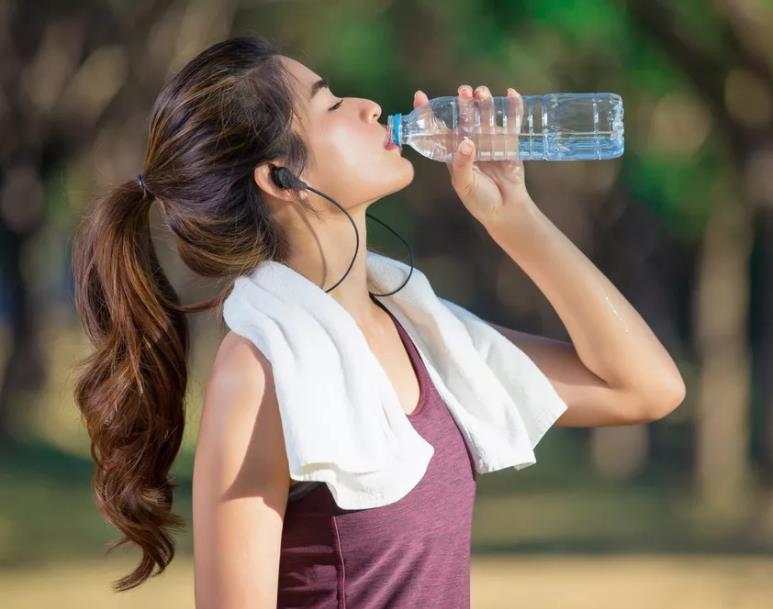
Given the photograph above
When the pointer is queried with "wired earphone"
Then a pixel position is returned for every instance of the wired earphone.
(284, 178)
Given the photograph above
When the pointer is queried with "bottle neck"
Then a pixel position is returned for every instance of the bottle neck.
(395, 128)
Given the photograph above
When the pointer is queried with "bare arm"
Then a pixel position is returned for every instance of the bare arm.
(590, 400)
(615, 371)
(240, 483)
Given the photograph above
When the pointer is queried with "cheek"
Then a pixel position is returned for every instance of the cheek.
(343, 135)
(351, 158)
(355, 144)
(330, 144)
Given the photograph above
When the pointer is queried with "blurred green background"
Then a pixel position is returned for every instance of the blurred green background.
(678, 513)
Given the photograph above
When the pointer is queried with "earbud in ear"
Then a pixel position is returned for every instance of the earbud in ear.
(284, 178)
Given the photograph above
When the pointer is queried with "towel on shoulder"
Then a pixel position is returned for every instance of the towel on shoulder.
(341, 417)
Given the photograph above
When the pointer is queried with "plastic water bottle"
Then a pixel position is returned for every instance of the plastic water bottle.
(552, 127)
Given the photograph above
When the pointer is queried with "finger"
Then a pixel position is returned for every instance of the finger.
(466, 114)
(514, 118)
(487, 115)
(420, 98)
(460, 167)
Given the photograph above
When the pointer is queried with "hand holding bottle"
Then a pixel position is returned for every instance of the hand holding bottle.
(486, 187)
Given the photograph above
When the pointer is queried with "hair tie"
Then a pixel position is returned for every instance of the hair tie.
(142, 186)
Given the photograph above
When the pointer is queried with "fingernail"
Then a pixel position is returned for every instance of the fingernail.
(465, 147)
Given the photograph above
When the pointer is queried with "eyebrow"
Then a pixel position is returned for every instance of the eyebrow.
(320, 84)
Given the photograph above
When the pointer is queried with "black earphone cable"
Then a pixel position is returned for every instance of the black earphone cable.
(284, 178)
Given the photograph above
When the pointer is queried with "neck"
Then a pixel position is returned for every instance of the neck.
(322, 253)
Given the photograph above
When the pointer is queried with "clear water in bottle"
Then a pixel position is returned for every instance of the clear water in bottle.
(551, 127)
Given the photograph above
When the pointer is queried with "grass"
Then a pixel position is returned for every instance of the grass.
(538, 582)
(47, 512)
(552, 535)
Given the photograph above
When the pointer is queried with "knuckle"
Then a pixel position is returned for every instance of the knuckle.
(463, 187)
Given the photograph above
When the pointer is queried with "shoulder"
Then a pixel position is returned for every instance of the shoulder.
(240, 423)
(240, 482)
(236, 356)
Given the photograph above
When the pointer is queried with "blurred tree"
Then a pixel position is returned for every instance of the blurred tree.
(729, 67)
(76, 89)
(68, 80)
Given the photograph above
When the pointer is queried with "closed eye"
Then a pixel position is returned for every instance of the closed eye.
(337, 105)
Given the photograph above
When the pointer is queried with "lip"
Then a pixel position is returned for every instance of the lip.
(388, 145)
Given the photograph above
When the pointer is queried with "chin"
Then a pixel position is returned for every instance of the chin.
(410, 171)
(396, 181)
(405, 178)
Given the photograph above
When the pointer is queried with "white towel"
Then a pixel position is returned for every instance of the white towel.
(341, 417)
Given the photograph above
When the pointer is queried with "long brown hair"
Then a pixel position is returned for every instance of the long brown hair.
(228, 110)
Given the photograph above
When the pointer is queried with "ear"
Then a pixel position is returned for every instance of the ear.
(264, 181)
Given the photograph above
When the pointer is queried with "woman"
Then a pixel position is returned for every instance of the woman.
(219, 129)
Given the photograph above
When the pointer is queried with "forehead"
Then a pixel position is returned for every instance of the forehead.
(301, 77)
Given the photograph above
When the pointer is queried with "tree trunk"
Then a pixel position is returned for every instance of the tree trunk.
(722, 401)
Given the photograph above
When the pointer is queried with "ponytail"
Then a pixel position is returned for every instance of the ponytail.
(230, 109)
(131, 388)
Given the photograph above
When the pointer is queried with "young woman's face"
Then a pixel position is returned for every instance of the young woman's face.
(347, 157)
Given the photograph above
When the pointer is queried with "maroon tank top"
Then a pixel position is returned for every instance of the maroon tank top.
(412, 553)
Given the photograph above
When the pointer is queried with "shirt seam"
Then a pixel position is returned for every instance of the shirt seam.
(341, 567)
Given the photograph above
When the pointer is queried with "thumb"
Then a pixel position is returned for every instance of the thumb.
(461, 167)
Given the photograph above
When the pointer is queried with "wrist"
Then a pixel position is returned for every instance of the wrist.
(521, 217)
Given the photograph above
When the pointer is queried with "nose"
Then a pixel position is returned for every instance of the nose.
(373, 110)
